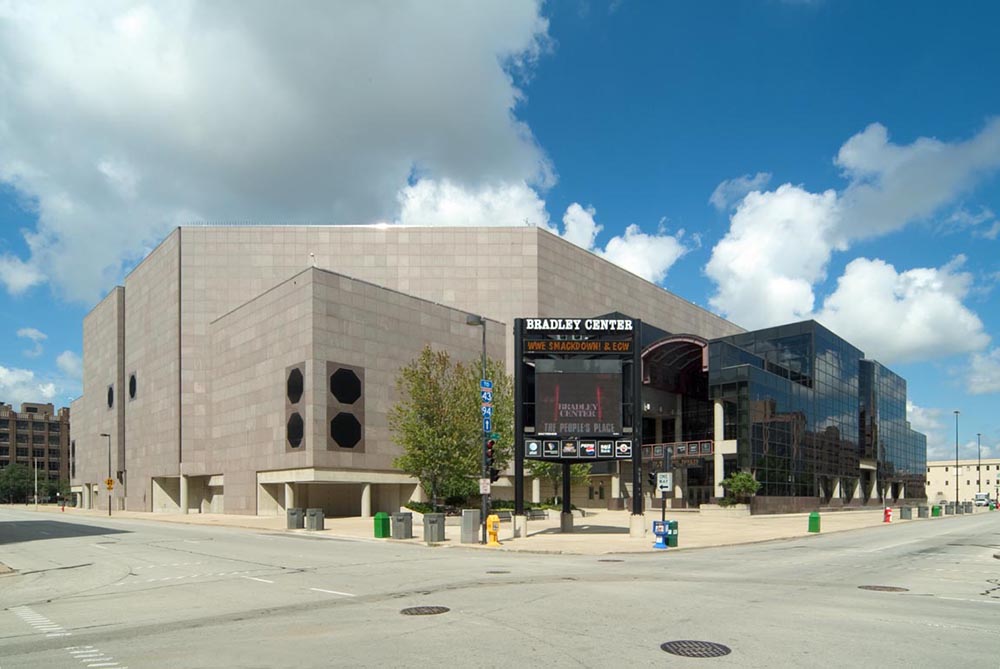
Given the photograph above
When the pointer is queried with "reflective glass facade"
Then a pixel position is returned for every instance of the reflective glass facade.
(794, 398)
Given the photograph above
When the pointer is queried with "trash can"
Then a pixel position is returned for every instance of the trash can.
(970, 507)
(922, 512)
(959, 508)
(935, 511)
(471, 526)
(402, 525)
(672, 533)
(906, 513)
(381, 525)
(814, 521)
(315, 519)
(433, 527)
(296, 519)
(949, 509)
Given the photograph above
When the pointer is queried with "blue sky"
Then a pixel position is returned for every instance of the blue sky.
(767, 160)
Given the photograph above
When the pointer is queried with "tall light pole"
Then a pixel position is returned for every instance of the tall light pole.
(979, 462)
(479, 321)
(109, 469)
(956, 458)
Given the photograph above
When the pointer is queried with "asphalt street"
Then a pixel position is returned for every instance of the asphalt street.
(112, 593)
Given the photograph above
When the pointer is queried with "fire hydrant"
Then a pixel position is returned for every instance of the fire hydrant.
(493, 530)
(887, 515)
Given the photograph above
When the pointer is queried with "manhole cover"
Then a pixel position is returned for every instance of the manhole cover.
(610, 560)
(689, 648)
(497, 571)
(424, 610)
(883, 588)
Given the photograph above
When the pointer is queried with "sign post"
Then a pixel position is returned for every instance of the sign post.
(486, 409)
(664, 483)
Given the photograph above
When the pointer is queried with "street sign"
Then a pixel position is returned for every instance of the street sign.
(484, 486)
(487, 396)
(487, 411)
(110, 483)
(486, 384)
(665, 481)
(487, 424)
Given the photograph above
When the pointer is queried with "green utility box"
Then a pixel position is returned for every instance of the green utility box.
(382, 525)
(814, 521)
(672, 533)
(935, 511)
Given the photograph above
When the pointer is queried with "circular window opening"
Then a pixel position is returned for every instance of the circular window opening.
(294, 430)
(345, 386)
(294, 386)
(111, 396)
(345, 430)
(131, 387)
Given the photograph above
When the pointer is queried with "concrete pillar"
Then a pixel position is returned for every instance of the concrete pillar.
(366, 500)
(658, 435)
(637, 525)
(719, 421)
(616, 486)
(836, 488)
(289, 496)
(536, 490)
(184, 493)
(86, 496)
(719, 472)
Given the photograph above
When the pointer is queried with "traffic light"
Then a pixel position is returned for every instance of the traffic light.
(494, 475)
(652, 477)
(490, 443)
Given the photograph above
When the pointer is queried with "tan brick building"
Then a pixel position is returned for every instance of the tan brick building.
(248, 369)
(36, 436)
(972, 476)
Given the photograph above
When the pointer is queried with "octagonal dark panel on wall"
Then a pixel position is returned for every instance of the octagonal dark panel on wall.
(345, 386)
(345, 429)
(295, 385)
(295, 430)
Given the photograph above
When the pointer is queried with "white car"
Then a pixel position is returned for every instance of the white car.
(982, 499)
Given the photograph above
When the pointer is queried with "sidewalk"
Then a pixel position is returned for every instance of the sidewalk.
(600, 532)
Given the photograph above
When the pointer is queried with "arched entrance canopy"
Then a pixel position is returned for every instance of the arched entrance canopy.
(678, 364)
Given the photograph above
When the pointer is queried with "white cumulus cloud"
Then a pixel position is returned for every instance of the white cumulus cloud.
(731, 191)
(123, 119)
(780, 243)
(70, 364)
(37, 337)
(984, 372)
(897, 316)
(21, 385)
(445, 203)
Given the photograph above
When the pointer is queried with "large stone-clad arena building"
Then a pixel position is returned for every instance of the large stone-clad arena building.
(248, 369)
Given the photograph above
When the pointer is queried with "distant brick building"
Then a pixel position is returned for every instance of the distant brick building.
(37, 435)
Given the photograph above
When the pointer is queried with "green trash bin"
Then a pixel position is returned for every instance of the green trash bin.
(672, 534)
(814, 521)
(382, 525)
(935, 511)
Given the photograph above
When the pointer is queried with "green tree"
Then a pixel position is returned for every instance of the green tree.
(16, 482)
(438, 422)
(579, 474)
(741, 486)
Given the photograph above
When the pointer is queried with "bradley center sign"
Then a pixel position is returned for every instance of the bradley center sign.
(577, 389)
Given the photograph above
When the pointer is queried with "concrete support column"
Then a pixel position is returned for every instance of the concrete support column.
(719, 473)
(536, 490)
(658, 435)
(184, 493)
(719, 421)
(366, 500)
(86, 497)
(836, 488)
(616, 486)
(289, 496)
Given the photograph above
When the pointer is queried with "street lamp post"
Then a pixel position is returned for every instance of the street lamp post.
(109, 469)
(479, 321)
(956, 459)
(979, 461)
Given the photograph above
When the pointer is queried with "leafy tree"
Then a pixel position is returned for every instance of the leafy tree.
(579, 474)
(741, 486)
(438, 422)
(16, 482)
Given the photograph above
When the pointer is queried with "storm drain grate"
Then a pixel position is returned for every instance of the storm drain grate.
(688, 648)
(883, 588)
(611, 560)
(497, 571)
(424, 610)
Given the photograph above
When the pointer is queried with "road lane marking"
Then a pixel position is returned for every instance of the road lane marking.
(103, 548)
(334, 592)
(262, 580)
